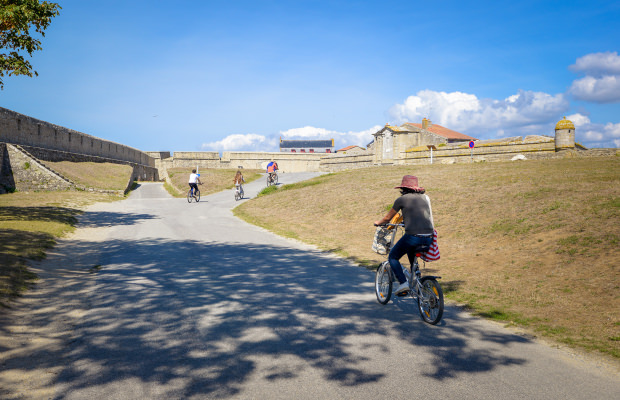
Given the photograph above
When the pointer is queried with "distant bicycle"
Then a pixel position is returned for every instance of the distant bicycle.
(239, 192)
(193, 195)
(426, 290)
(272, 178)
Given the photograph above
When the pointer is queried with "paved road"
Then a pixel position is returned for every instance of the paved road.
(155, 298)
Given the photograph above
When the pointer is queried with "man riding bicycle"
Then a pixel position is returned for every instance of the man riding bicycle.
(418, 219)
(193, 178)
(272, 169)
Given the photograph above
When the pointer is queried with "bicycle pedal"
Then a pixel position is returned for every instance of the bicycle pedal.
(402, 294)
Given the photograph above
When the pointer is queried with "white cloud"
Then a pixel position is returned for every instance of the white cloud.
(593, 134)
(598, 64)
(579, 120)
(602, 81)
(255, 142)
(522, 113)
(598, 90)
(342, 139)
(243, 142)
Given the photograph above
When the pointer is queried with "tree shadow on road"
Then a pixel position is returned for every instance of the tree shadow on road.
(198, 316)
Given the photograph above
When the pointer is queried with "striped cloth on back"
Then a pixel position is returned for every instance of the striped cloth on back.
(433, 252)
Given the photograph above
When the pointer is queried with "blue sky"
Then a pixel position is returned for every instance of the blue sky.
(238, 75)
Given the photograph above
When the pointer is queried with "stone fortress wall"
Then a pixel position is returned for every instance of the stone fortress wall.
(26, 143)
(28, 137)
(287, 162)
(20, 129)
(504, 149)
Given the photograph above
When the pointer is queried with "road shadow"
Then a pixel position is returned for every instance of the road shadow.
(198, 315)
(100, 219)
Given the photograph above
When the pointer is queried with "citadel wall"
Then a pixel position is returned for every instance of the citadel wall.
(50, 142)
(20, 129)
(287, 162)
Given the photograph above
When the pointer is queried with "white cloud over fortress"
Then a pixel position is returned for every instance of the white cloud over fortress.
(601, 83)
(526, 112)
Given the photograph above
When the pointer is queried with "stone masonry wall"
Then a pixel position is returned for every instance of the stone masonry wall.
(23, 130)
(287, 162)
(140, 172)
(341, 162)
(7, 182)
(29, 175)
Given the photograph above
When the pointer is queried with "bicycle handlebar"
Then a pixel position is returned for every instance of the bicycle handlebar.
(391, 225)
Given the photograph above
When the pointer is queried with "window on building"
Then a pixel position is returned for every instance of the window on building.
(328, 150)
(293, 151)
(303, 150)
(311, 150)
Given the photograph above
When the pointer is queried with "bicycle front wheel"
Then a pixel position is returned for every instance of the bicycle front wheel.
(383, 283)
(430, 300)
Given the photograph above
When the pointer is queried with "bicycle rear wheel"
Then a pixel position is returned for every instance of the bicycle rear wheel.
(275, 179)
(189, 196)
(197, 196)
(383, 283)
(430, 300)
(268, 180)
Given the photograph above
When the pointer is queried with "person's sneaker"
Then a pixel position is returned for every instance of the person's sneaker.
(404, 287)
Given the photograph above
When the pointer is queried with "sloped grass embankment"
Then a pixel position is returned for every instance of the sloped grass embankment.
(529, 243)
(107, 176)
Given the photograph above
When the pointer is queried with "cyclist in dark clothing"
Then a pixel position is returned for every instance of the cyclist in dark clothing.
(418, 220)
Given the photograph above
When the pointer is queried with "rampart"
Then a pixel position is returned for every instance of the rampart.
(50, 142)
(16, 128)
(287, 162)
(340, 162)
(531, 147)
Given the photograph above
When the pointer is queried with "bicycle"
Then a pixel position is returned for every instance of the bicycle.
(195, 195)
(426, 290)
(238, 192)
(272, 178)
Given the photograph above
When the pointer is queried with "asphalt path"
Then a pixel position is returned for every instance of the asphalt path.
(155, 298)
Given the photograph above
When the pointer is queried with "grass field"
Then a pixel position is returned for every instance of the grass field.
(214, 180)
(528, 243)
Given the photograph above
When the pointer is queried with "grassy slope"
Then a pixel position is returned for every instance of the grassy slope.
(532, 243)
(31, 222)
(97, 175)
(214, 180)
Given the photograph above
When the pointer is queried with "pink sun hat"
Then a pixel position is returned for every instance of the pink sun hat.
(410, 182)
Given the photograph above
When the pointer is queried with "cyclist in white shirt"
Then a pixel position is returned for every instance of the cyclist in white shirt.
(193, 178)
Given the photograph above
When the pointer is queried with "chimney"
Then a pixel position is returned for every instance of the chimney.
(426, 123)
